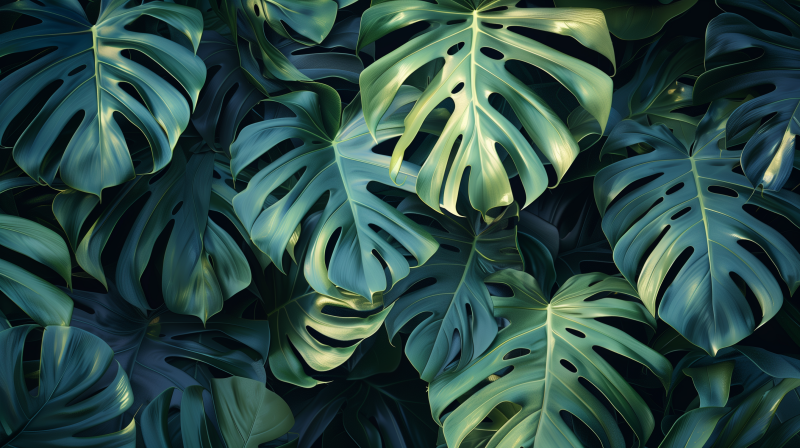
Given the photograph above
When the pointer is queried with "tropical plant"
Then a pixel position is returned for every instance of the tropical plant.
(399, 223)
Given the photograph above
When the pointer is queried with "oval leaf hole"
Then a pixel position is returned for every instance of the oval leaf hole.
(576, 333)
(724, 191)
(674, 188)
(491, 53)
(568, 365)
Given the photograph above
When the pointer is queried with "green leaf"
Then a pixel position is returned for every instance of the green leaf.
(248, 413)
(634, 19)
(72, 363)
(337, 163)
(161, 349)
(693, 429)
(453, 301)
(39, 299)
(537, 360)
(202, 266)
(653, 95)
(713, 383)
(297, 314)
(690, 201)
(196, 429)
(765, 379)
(90, 70)
(459, 33)
(769, 154)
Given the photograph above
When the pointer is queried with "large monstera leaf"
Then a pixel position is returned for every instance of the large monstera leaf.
(558, 336)
(689, 202)
(769, 155)
(448, 290)
(297, 315)
(634, 19)
(71, 365)
(91, 72)
(202, 266)
(336, 162)
(161, 349)
(476, 39)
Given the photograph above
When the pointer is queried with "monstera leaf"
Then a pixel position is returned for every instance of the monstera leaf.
(634, 19)
(476, 39)
(768, 156)
(539, 361)
(93, 78)
(337, 163)
(161, 349)
(309, 22)
(298, 315)
(375, 400)
(202, 266)
(248, 416)
(235, 85)
(653, 95)
(72, 362)
(754, 417)
(39, 299)
(448, 292)
(689, 202)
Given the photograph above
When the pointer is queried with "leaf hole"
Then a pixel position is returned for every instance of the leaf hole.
(516, 353)
(674, 188)
(576, 333)
(568, 365)
(177, 208)
(633, 186)
(492, 26)
(457, 88)
(455, 22)
(491, 53)
(724, 191)
(256, 10)
(329, 341)
(77, 70)
(455, 48)
(684, 211)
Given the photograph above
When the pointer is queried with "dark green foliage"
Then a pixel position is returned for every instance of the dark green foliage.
(399, 223)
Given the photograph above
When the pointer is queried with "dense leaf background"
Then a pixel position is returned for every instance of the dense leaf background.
(399, 223)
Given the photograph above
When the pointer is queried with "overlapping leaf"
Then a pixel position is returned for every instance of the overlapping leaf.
(161, 349)
(446, 295)
(690, 201)
(72, 362)
(202, 266)
(248, 416)
(634, 19)
(538, 361)
(337, 162)
(298, 314)
(90, 73)
(769, 155)
(476, 39)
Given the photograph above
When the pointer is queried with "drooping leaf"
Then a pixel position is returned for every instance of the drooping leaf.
(336, 162)
(203, 265)
(298, 314)
(689, 202)
(476, 39)
(72, 362)
(634, 19)
(538, 360)
(768, 156)
(91, 73)
(160, 349)
(448, 292)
